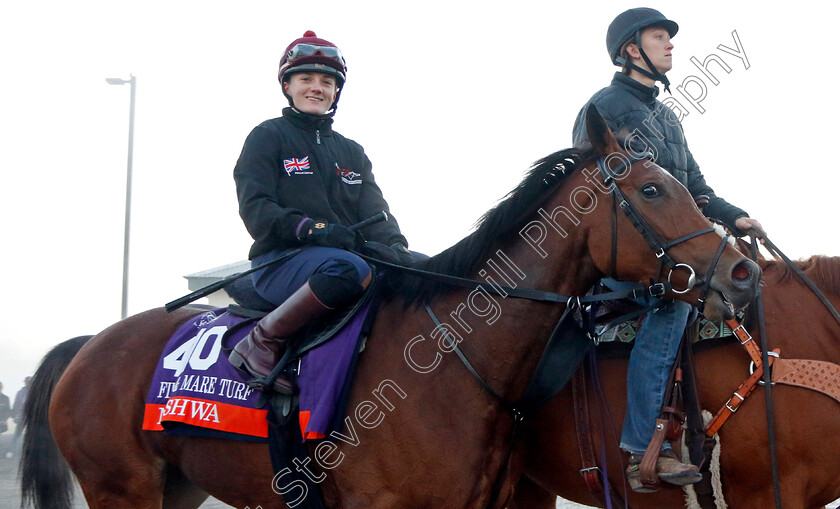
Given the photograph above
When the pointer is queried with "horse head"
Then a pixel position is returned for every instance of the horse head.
(650, 207)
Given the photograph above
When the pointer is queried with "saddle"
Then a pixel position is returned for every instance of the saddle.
(249, 304)
(286, 420)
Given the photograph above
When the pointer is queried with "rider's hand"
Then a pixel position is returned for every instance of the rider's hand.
(397, 256)
(327, 234)
(746, 224)
(405, 256)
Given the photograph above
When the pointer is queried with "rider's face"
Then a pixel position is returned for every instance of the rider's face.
(657, 45)
(311, 92)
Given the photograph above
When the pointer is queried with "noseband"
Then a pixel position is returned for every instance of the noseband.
(544, 382)
(657, 244)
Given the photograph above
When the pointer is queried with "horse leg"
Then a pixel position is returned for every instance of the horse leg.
(95, 419)
(119, 476)
(179, 492)
(108, 456)
(246, 478)
(529, 495)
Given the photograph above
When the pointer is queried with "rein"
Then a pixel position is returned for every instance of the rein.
(795, 372)
(768, 396)
(640, 290)
(567, 341)
(654, 241)
(805, 279)
(544, 383)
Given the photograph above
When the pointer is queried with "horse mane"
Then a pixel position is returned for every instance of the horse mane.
(823, 270)
(497, 225)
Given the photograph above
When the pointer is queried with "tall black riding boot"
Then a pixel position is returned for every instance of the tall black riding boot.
(259, 351)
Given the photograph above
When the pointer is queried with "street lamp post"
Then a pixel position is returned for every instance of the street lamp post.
(133, 82)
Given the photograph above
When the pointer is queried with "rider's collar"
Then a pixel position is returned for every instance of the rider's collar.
(643, 92)
(322, 123)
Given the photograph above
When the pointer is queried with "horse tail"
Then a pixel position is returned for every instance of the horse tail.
(45, 477)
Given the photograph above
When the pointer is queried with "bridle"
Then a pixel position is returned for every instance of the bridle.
(545, 381)
(568, 342)
(654, 240)
(529, 401)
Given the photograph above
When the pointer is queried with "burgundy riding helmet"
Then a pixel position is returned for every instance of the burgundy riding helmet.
(313, 54)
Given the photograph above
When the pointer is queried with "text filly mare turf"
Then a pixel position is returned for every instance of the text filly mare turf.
(441, 440)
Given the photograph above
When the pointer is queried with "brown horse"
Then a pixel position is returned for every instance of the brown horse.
(420, 432)
(807, 423)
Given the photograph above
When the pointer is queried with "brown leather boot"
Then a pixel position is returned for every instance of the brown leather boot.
(668, 469)
(259, 351)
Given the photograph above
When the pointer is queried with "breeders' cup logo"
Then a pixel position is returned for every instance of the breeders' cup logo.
(206, 318)
(349, 176)
(297, 166)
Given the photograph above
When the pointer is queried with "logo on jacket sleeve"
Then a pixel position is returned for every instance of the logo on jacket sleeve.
(297, 166)
(348, 176)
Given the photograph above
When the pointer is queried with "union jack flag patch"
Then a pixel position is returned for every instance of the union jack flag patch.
(295, 165)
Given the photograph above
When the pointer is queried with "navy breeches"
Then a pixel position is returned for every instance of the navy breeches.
(335, 275)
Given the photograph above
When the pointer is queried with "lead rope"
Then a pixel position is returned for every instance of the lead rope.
(768, 397)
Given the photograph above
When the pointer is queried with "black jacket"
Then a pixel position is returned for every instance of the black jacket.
(5, 412)
(626, 103)
(295, 167)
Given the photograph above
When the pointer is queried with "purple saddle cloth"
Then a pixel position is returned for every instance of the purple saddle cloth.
(195, 387)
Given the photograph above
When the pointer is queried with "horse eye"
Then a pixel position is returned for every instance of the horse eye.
(650, 191)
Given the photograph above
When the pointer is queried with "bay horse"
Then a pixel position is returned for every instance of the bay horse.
(807, 423)
(411, 438)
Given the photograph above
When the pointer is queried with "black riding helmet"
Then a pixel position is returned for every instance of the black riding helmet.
(629, 25)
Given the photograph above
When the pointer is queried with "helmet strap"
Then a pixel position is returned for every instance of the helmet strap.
(653, 73)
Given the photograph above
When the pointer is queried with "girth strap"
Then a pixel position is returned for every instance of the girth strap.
(589, 465)
(595, 476)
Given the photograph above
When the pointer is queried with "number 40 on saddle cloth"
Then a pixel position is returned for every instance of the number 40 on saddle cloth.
(196, 391)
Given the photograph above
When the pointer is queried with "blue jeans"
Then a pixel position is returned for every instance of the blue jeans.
(650, 364)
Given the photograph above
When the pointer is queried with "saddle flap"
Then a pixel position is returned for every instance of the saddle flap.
(565, 349)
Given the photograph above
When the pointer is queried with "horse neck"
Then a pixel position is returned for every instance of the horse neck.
(813, 334)
(504, 336)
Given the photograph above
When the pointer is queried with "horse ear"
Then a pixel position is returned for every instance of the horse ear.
(599, 133)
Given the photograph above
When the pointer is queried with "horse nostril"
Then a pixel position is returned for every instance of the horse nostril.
(741, 272)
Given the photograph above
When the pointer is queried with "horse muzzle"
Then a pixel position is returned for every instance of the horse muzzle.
(733, 285)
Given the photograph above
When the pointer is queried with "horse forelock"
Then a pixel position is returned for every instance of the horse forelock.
(823, 270)
(498, 224)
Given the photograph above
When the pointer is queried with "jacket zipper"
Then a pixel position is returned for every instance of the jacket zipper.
(318, 136)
